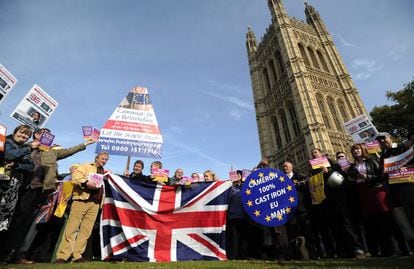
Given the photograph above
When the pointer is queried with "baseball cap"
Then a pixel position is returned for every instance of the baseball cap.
(382, 134)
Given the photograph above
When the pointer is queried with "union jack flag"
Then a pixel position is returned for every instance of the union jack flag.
(141, 221)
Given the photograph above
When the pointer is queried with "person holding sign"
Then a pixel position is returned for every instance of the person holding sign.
(299, 226)
(209, 176)
(137, 172)
(332, 216)
(237, 223)
(87, 198)
(374, 205)
(396, 164)
(43, 183)
(15, 209)
(178, 176)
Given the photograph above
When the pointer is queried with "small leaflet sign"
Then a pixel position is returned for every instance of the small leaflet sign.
(46, 141)
(319, 162)
(132, 129)
(269, 197)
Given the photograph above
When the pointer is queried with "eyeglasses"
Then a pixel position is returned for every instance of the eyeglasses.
(340, 156)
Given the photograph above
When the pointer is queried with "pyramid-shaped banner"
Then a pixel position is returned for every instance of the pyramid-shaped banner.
(132, 129)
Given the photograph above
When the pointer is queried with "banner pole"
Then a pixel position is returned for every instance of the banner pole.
(129, 157)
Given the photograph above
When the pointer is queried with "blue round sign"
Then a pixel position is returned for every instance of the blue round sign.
(269, 197)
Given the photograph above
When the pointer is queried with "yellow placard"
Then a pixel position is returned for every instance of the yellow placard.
(316, 189)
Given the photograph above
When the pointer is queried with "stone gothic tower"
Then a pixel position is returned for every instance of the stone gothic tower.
(302, 90)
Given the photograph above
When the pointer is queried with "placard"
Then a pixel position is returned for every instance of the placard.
(7, 82)
(35, 108)
(361, 129)
(3, 131)
(233, 176)
(160, 175)
(87, 131)
(319, 162)
(269, 197)
(404, 175)
(46, 141)
(132, 129)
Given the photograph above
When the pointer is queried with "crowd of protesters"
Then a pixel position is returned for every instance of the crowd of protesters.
(360, 215)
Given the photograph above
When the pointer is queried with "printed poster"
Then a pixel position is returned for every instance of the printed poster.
(132, 129)
(361, 129)
(7, 82)
(35, 108)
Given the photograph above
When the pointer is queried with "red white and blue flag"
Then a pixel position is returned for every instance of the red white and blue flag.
(142, 221)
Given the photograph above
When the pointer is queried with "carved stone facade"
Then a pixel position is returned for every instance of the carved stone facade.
(302, 90)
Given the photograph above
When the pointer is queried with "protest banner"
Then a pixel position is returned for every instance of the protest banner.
(269, 197)
(141, 221)
(361, 129)
(7, 82)
(404, 175)
(395, 163)
(319, 162)
(35, 108)
(132, 129)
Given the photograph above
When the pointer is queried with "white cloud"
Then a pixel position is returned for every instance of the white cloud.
(397, 51)
(232, 100)
(364, 68)
(185, 148)
(345, 43)
(235, 114)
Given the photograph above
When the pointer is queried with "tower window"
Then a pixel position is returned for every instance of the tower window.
(303, 54)
(313, 58)
(294, 118)
(266, 79)
(273, 70)
(342, 110)
(280, 62)
(276, 132)
(285, 125)
(319, 99)
(334, 115)
(322, 59)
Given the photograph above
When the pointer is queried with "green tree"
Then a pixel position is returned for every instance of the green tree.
(396, 119)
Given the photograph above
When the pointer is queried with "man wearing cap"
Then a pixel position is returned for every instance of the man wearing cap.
(401, 194)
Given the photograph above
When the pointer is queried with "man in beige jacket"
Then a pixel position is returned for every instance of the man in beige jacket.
(87, 197)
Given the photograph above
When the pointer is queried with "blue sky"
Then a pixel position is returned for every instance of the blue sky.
(191, 56)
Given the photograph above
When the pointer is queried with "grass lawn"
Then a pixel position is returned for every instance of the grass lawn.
(400, 262)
